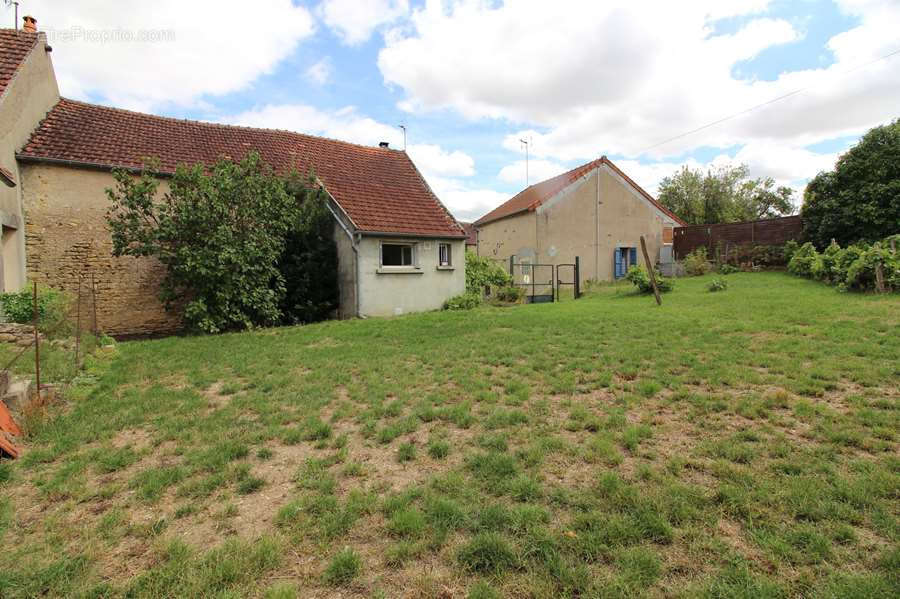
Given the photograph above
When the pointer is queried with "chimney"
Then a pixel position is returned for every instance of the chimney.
(30, 25)
(384, 145)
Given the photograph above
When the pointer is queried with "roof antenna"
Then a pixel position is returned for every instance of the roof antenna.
(404, 136)
(16, 17)
(525, 143)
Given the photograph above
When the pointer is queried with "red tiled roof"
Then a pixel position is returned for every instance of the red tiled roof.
(14, 47)
(471, 233)
(533, 196)
(380, 189)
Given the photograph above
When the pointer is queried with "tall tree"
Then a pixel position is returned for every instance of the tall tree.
(860, 199)
(724, 194)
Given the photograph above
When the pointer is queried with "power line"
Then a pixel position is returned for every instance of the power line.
(772, 101)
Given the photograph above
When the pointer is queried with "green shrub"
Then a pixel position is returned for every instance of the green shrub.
(727, 269)
(510, 294)
(696, 263)
(717, 284)
(639, 277)
(52, 307)
(483, 273)
(853, 267)
(466, 301)
(806, 261)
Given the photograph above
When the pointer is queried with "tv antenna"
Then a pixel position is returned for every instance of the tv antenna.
(16, 17)
(526, 143)
(404, 136)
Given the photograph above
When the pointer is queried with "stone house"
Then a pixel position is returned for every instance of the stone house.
(594, 211)
(399, 248)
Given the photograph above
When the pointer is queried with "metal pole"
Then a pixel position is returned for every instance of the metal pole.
(94, 301)
(577, 278)
(37, 346)
(78, 324)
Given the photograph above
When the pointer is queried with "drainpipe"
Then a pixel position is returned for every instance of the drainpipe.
(353, 246)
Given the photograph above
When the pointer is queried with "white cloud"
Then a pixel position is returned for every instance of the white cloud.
(538, 170)
(589, 78)
(466, 202)
(142, 55)
(434, 160)
(320, 72)
(355, 20)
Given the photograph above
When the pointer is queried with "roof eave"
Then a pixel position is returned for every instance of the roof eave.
(414, 235)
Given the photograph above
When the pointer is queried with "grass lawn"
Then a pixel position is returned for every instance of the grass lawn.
(733, 444)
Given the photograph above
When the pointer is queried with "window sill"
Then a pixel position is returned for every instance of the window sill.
(398, 270)
(448, 267)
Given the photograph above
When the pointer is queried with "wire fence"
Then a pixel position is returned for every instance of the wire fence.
(59, 341)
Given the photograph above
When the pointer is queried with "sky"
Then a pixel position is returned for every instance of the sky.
(469, 79)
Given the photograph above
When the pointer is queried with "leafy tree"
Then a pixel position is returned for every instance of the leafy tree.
(221, 232)
(723, 195)
(860, 199)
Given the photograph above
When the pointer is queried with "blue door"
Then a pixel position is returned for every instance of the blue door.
(620, 264)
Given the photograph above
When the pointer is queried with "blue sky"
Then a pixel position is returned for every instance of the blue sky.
(469, 78)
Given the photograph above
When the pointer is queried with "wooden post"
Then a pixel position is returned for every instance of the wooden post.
(651, 270)
(94, 302)
(37, 346)
(879, 278)
(78, 324)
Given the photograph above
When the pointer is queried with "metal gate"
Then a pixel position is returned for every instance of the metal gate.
(542, 282)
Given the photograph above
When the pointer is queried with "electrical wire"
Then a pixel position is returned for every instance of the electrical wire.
(772, 101)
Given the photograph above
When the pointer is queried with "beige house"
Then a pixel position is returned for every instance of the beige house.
(399, 249)
(27, 91)
(595, 212)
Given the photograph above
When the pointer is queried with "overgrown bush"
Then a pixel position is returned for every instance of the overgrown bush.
(697, 263)
(230, 235)
(510, 294)
(853, 267)
(483, 273)
(640, 279)
(465, 301)
(52, 307)
(806, 261)
(717, 284)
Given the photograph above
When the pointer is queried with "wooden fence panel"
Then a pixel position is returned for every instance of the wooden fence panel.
(771, 231)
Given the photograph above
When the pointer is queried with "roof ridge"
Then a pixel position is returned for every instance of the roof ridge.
(223, 125)
(564, 180)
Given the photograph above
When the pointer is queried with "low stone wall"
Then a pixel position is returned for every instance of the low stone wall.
(20, 334)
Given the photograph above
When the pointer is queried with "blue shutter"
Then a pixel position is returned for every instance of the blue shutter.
(620, 268)
(633, 256)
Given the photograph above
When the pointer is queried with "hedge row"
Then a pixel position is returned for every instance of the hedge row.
(852, 267)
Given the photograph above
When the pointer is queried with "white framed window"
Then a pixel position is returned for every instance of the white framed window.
(444, 254)
(398, 255)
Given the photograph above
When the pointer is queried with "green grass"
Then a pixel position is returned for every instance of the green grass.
(737, 444)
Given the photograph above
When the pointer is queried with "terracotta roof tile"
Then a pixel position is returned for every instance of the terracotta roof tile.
(471, 233)
(533, 196)
(14, 47)
(380, 189)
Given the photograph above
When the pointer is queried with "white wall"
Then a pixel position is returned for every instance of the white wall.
(426, 287)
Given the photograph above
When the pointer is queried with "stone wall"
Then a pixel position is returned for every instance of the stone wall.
(20, 334)
(67, 240)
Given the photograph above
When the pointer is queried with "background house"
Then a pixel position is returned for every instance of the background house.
(399, 249)
(594, 211)
(471, 236)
